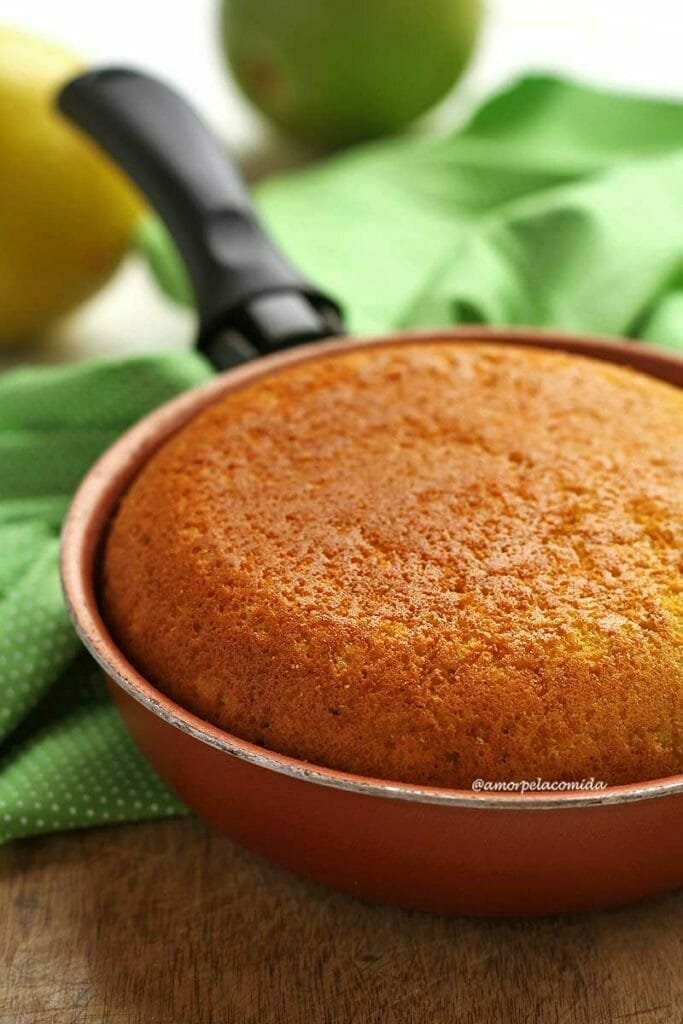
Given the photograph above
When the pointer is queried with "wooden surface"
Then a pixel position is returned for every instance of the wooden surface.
(166, 923)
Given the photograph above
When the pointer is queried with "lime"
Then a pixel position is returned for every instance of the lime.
(339, 71)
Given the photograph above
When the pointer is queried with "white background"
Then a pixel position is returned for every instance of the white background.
(633, 45)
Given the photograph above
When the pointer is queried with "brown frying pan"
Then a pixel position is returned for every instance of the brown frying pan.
(416, 846)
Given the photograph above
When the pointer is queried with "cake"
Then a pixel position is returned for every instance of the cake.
(426, 562)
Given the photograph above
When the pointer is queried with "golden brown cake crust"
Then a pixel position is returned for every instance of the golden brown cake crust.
(425, 562)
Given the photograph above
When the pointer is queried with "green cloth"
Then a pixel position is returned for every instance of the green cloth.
(65, 758)
(557, 205)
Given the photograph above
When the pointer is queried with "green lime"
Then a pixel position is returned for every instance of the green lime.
(339, 71)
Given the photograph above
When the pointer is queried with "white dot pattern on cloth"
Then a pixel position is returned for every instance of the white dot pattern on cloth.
(67, 771)
(65, 757)
(36, 640)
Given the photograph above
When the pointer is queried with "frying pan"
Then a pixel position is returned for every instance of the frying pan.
(416, 846)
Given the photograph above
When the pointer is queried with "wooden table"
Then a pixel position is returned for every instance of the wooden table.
(166, 923)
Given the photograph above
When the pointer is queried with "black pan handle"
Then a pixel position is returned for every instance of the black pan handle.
(250, 299)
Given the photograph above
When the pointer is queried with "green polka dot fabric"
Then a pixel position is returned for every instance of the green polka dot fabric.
(65, 757)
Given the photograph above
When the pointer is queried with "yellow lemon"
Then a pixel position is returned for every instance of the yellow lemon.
(66, 215)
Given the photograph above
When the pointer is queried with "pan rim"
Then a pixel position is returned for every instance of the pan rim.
(90, 512)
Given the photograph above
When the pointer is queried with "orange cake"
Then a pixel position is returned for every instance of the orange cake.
(423, 562)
